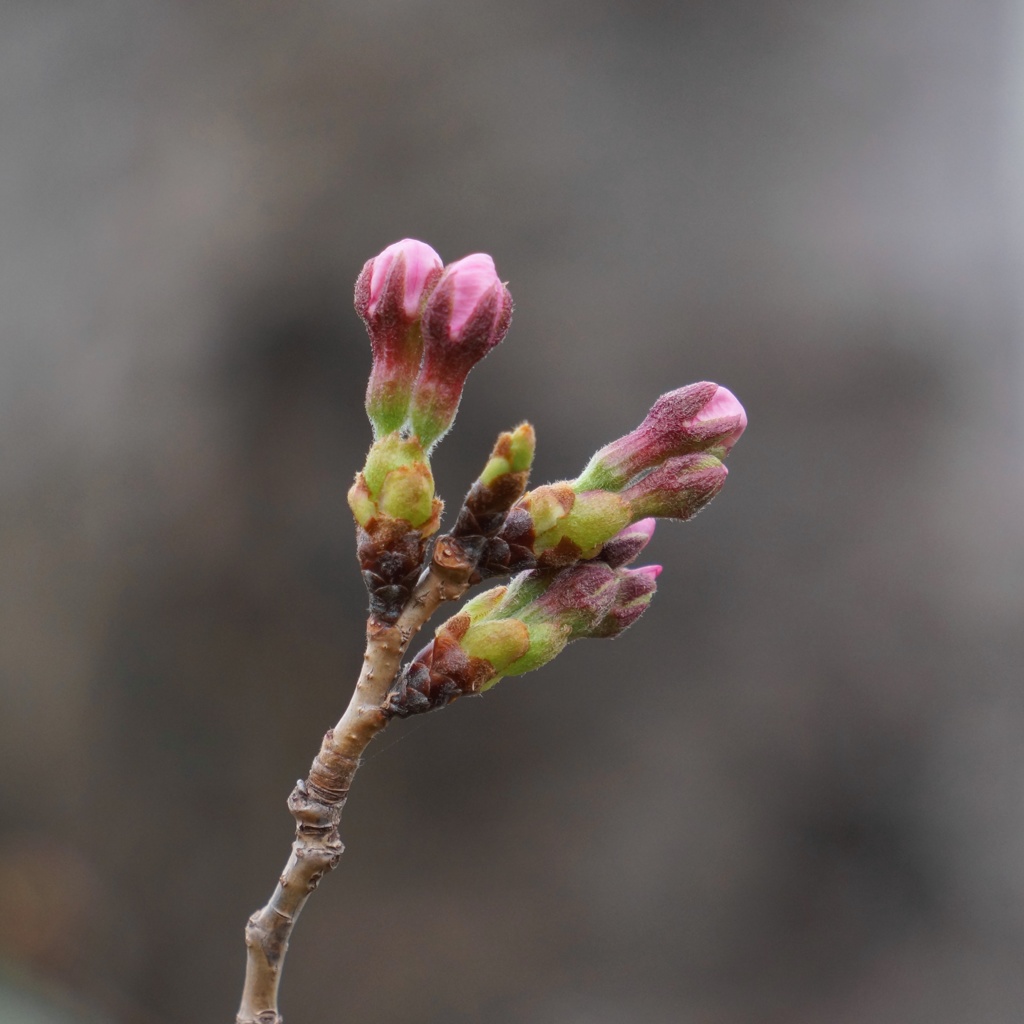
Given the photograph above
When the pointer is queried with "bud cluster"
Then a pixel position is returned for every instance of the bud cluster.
(429, 325)
(669, 467)
(507, 631)
(568, 542)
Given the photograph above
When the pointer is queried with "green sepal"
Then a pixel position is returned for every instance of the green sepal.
(481, 606)
(497, 641)
(595, 516)
(407, 492)
(547, 640)
(391, 452)
(396, 483)
(598, 476)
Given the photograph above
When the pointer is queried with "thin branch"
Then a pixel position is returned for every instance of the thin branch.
(316, 803)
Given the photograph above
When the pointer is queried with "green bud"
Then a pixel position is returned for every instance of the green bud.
(512, 454)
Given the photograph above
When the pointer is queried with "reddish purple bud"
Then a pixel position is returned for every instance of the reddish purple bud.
(677, 489)
(627, 543)
(579, 596)
(699, 417)
(390, 293)
(467, 314)
(636, 588)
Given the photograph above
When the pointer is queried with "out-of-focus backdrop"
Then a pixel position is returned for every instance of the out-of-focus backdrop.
(794, 792)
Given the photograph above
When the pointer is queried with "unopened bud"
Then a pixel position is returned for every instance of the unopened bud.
(702, 417)
(627, 544)
(390, 293)
(512, 630)
(636, 587)
(578, 597)
(512, 455)
(677, 489)
(467, 314)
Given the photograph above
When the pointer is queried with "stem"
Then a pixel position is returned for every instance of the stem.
(317, 802)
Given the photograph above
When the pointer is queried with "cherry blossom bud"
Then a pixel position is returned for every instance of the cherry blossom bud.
(513, 630)
(701, 417)
(390, 293)
(627, 544)
(578, 597)
(635, 590)
(677, 489)
(466, 315)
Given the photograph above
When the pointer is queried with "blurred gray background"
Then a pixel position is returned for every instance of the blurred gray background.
(794, 792)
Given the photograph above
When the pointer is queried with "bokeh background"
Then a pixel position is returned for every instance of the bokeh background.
(795, 791)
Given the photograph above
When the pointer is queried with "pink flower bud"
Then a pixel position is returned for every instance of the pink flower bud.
(698, 417)
(390, 293)
(395, 284)
(467, 314)
(723, 416)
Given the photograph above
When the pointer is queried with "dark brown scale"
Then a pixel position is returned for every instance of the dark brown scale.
(484, 514)
(390, 561)
(510, 550)
(439, 674)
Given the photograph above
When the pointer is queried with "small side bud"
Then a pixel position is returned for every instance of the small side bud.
(389, 296)
(500, 485)
(635, 590)
(627, 544)
(466, 315)
(486, 506)
(511, 456)
(702, 417)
